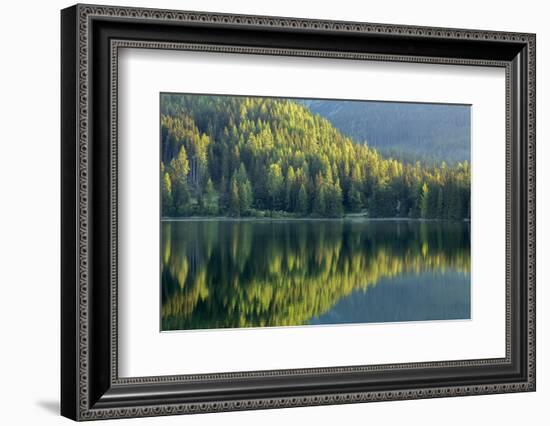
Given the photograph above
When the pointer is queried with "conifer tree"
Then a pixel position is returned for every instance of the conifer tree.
(302, 204)
(179, 168)
(275, 186)
(440, 212)
(234, 201)
(210, 198)
(244, 189)
(290, 189)
(166, 195)
(354, 199)
(424, 201)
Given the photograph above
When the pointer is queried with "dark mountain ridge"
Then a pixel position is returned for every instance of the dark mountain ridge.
(407, 131)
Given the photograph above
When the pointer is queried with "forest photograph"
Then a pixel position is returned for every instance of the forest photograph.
(303, 212)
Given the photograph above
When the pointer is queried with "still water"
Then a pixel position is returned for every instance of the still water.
(270, 273)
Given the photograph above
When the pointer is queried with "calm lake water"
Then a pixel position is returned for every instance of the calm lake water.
(255, 273)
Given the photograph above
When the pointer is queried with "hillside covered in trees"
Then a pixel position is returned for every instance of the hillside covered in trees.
(252, 156)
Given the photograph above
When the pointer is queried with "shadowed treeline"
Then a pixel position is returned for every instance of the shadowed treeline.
(225, 274)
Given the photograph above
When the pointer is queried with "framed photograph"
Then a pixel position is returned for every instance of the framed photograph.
(263, 212)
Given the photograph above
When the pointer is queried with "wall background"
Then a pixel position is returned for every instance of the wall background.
(29, 225)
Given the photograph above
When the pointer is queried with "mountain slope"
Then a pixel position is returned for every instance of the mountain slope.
(430, 132)
(237, 156)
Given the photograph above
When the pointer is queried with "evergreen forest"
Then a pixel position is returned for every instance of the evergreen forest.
(273, 157)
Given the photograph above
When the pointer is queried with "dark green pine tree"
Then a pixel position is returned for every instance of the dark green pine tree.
(319, 202)
(234, 201)
(302, 202)
(211, 204)
(440, 209)
(244, 190)
(424, 206)
(179, 168)
(355, 201)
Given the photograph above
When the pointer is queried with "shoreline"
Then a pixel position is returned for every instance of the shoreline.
(304, 219)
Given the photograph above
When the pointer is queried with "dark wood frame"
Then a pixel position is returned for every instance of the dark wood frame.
(90, 39)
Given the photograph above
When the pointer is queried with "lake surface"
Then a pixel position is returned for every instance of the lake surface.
(223, 273)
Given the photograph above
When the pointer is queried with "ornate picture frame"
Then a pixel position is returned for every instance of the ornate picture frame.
(91, 37)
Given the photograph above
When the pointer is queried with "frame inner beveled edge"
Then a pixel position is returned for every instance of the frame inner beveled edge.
(116, 44)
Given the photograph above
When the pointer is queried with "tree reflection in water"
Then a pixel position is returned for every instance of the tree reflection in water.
(256, 273)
